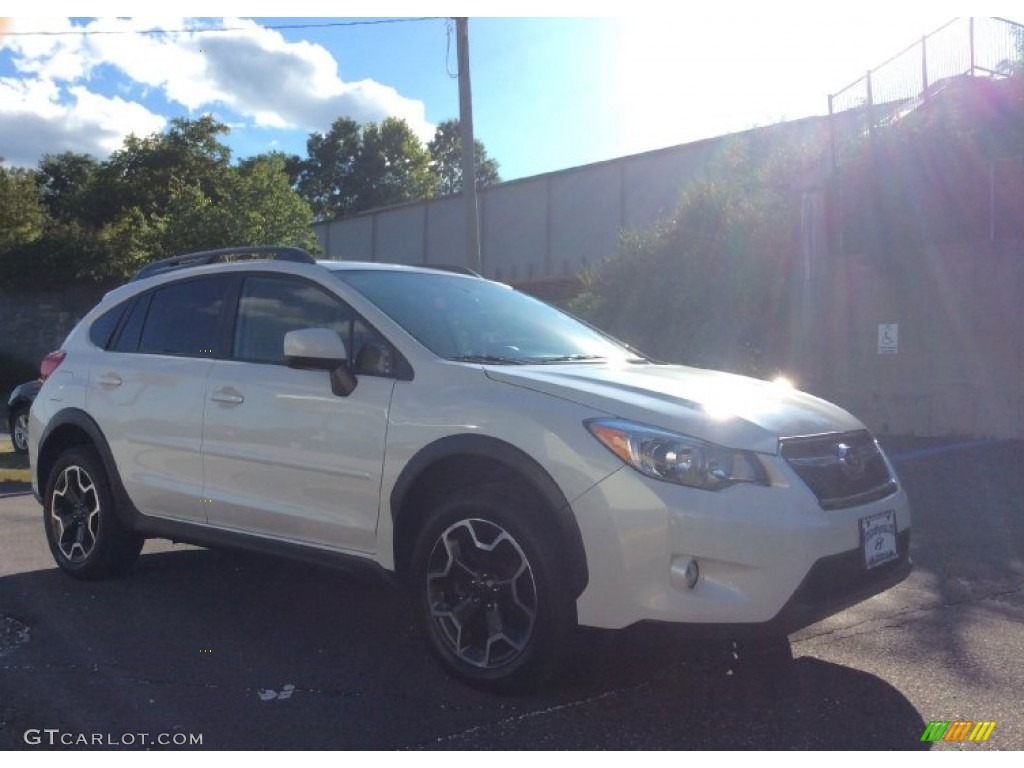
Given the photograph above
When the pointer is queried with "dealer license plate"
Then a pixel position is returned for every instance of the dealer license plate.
(878, 537)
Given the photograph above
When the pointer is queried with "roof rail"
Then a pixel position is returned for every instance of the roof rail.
(272, 252)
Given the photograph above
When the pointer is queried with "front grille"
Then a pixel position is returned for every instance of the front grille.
(842, 470)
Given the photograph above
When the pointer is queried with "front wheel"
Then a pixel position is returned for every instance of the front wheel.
(85, 537)
(487, 589)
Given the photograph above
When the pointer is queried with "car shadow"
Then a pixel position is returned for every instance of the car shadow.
(744, 694)
(210, 641)
(13, 489)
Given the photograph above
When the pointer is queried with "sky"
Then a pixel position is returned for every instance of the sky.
(555, 85)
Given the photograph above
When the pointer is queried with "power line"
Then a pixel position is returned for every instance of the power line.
(83, 31)
(449, 28)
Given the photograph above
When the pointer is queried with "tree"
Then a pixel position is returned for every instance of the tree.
(446, 154)
(393, 166)
(148, 173)
(23, 215)
(268, 211)
(64, 180)
(75, 218)
(258, 207)
(353, 168)
(292, 164)
(326, 178)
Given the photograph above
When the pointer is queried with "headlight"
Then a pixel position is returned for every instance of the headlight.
(676, 458)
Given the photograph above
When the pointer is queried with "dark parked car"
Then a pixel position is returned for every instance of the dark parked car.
(18, 405)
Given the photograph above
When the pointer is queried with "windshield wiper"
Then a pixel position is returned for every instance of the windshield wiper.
(568, 358)
(487, 360)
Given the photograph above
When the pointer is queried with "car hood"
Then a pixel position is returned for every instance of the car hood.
(730, 410)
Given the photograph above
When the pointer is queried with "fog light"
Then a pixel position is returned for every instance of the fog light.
(685, 572)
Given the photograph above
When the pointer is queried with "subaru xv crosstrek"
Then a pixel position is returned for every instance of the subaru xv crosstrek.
(516, 470)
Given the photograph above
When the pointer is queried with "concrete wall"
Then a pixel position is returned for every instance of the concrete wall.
(34, 324)
(546, 227)
(959, 369)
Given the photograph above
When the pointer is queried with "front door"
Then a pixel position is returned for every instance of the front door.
(283, 456)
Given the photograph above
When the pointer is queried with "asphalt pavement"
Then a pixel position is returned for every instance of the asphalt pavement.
(220, 650)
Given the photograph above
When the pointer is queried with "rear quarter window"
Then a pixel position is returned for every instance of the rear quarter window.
(102, 329)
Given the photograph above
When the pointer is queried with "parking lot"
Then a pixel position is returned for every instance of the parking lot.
(251, 653)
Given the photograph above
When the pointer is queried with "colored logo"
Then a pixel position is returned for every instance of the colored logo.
(958, 730)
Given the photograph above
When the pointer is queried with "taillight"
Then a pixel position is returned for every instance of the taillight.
(50, 363)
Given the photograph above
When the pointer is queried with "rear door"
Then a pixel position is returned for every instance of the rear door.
(284, 457)
(147, 391)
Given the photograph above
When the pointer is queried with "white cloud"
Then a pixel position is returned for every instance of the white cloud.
(35, 121)
(251, 71)
(259, 74)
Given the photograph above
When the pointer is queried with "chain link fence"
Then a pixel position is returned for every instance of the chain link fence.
(924, 146)
(973, 47)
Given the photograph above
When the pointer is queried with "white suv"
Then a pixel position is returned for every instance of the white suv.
(519, 470)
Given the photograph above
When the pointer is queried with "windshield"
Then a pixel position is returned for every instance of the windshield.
(474, 320)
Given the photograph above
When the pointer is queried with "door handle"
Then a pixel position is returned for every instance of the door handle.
(228, 396)
(109, 380)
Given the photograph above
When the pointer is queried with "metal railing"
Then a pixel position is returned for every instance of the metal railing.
(972, 47)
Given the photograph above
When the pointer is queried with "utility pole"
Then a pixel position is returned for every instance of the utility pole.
(473, 259)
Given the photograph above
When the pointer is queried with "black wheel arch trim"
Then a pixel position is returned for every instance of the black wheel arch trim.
(521, 463)
(125, 510)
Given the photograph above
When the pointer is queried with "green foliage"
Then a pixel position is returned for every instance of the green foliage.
(710, 286)
(446, 154)
(292, 164)
(64, 254)
(23, 215)
(64, 180)
(270, 210)
(354, 168)
(77, 219)
(324, 180)
(393, 166)
(149, 174)
(130, 241)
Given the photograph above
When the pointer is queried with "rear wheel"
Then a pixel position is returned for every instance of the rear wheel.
(85, 537)
(487, 588)
(19, 430)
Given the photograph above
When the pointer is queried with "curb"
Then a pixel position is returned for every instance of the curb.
(15, 476)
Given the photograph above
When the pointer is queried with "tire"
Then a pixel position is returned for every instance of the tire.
(86, 539)
(488, 591)
(19, 430)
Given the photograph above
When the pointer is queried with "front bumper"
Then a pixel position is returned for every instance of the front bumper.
(835, 583)
(771, 560)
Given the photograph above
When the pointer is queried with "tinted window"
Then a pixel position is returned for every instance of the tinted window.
(184, 318)
(128, 339)
(464, 318)
(270, 307)
(103, 326)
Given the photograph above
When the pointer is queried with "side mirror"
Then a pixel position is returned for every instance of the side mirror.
(320, 349)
